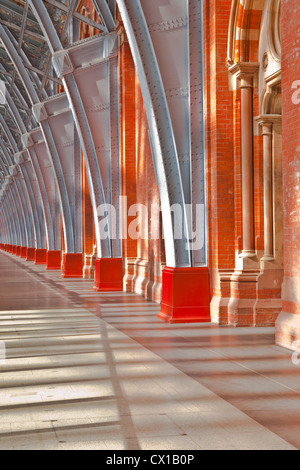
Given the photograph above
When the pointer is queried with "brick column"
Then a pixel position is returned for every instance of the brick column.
(127, 78)
(288, 322)
(88, 230)
(219, 157)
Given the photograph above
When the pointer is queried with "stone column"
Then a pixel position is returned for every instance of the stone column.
(267, 132)
(267, 123)
(247, 164)
(244, 74)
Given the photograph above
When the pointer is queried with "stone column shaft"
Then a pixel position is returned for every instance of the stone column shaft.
(247, 164)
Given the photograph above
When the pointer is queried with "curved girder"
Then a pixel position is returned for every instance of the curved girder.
(105, 14)
(161, 132)
(98, 163)
(9, 213)
(27, 186)
(49, 140)
(5, 230)
(23, 215)
(33, 166)
(36, 151)
(14, 212)
(8, 221)
(34, 77)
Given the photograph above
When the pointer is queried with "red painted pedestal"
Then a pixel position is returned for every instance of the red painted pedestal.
(23, 252)
(30, 254)
(185, 295)
(14, 250)
(18, 252)
(72, 265)
(53, 260)
(40, 256)
(108, 274)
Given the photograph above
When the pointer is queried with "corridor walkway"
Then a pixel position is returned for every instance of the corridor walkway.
(85, 370)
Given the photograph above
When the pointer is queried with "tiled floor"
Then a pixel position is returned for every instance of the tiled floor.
(100, 371)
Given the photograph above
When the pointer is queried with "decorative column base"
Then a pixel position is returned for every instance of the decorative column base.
(185, 295)
(89, 266)
(40, 256)
(108, 274)
(23, 253)
(53, 260)
(14, 250)
(288, 331)
(72, 265)
(241, 308)
(288, 321)
(18, 251)
(30, 254)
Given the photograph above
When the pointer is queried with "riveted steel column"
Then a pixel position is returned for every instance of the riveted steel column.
(162, 137)
(86, 128)
(66, 213)
(25, 232)
(34, 171)
(32, 203)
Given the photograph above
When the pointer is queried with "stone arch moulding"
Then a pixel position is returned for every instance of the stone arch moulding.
(243, 33)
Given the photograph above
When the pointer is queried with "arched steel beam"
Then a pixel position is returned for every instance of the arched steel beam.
(105, 14)
(161, 132)
(37, 171)
(27, 187)
(64, 67)
(12, 210)
(6, 222)
(19, 96)
(8, 212)
(22, 213)
(36, 151)
(49, 140)
(26, 62)
(4, 225)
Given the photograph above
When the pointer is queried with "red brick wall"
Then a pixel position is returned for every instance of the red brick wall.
(219, 151)
(288, 325)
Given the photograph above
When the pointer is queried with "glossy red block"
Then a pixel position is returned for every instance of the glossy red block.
(53, 260)
(30, 254)
(14, 250)
(40, 256)
(23, 253)
(185, 295)
(18, 251)
(108, 274)
(72, 265)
